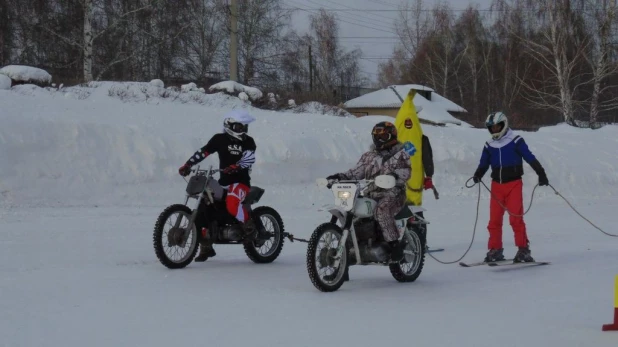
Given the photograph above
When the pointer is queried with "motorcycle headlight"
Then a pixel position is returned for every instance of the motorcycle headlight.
(343, 195)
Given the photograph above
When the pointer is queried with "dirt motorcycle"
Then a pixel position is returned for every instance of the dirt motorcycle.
(353, 236)
(179, 229)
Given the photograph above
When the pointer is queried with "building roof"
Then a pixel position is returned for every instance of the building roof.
(434, 110)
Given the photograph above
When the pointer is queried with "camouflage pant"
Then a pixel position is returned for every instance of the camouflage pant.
(388, 206)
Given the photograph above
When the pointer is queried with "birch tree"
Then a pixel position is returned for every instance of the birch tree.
(203, 44)
(559, 52)
(601, 21)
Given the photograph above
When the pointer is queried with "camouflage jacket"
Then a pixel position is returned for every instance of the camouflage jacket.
(394, 161)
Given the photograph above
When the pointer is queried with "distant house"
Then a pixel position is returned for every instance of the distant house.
(431, 107)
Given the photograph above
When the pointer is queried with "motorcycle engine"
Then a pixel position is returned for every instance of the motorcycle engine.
(365, 229)
(231, 233)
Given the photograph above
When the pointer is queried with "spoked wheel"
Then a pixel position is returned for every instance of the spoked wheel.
(321, 254)
(265, 250)
(174, 240)
(411, 265)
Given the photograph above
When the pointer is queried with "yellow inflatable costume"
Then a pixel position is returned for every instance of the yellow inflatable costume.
(409, 130)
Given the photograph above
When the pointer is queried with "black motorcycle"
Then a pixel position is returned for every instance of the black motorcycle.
(179, 229)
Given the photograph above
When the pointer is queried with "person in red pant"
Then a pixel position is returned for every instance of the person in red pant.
(236, 150)
(504, 153)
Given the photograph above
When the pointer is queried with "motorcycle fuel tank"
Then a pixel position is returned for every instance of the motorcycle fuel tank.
(364, 207)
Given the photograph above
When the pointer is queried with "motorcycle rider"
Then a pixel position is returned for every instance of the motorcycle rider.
(236, 150)
(386, 157)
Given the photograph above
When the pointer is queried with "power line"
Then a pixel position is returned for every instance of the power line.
(377, 15)
(431, 10)
(353, 23)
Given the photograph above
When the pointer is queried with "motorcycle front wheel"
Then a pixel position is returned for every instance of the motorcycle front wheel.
(174, 240)
(321, 253)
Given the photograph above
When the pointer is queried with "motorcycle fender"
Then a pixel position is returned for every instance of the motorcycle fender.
(336, 211)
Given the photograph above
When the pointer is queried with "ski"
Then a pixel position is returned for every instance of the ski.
(526, 264)
(505, 261)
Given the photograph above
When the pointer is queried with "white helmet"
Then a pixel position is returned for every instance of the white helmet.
(236, 123)
(497, 118)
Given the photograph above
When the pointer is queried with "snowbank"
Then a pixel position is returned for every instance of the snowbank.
(319, 108)
(62, 151)
(23, 73)
(5, 82)
(157, 83)
(235, 87)
(132, 92)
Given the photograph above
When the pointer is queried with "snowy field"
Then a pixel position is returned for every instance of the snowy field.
(83, 176)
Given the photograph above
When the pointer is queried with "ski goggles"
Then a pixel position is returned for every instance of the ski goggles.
(239, 127)
(381, 134)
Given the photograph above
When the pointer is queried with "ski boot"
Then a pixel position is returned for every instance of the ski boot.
(494, 255)
(523, 256)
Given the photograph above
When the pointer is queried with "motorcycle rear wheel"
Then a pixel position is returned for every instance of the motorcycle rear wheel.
(266, 251)
(410, 268)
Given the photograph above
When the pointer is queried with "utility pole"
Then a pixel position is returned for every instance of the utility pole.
(234, 40)
(310, 70)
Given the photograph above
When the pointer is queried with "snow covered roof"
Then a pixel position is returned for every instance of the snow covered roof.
(434, 110)
(24, 73)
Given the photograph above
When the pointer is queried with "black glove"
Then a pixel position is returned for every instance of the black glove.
(476, 179)
(543, 181)
(184, 170)
(334, 177)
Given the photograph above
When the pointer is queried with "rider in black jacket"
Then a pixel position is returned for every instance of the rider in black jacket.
(236, 150)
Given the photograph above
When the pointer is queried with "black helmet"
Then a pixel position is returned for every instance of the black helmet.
(384, 135)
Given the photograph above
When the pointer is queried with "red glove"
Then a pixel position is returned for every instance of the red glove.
(428, 183)
(231, 169)
(184, 170)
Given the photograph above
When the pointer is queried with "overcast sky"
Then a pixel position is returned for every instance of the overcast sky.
(371, 31)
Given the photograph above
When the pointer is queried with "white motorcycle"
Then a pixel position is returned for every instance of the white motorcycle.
(331, 250)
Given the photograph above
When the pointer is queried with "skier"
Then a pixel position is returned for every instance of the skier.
(386, 157)
(236, 151)
(504, 153)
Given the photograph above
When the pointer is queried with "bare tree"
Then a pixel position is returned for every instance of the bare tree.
(261, 26)
(398, 69)
(509, 33)
(442, 60)
(6, 33)
(601, 20)
(470, 34)
(558, 52)
(203, 44)
(91, 31)
(333, 65)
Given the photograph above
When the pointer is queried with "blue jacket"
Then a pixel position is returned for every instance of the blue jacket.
(505, 158)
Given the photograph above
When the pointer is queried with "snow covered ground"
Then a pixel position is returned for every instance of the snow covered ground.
(83, 176)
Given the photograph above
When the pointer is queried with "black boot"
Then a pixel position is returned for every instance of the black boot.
(250, 230)
(396, 250)
(206, 251)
